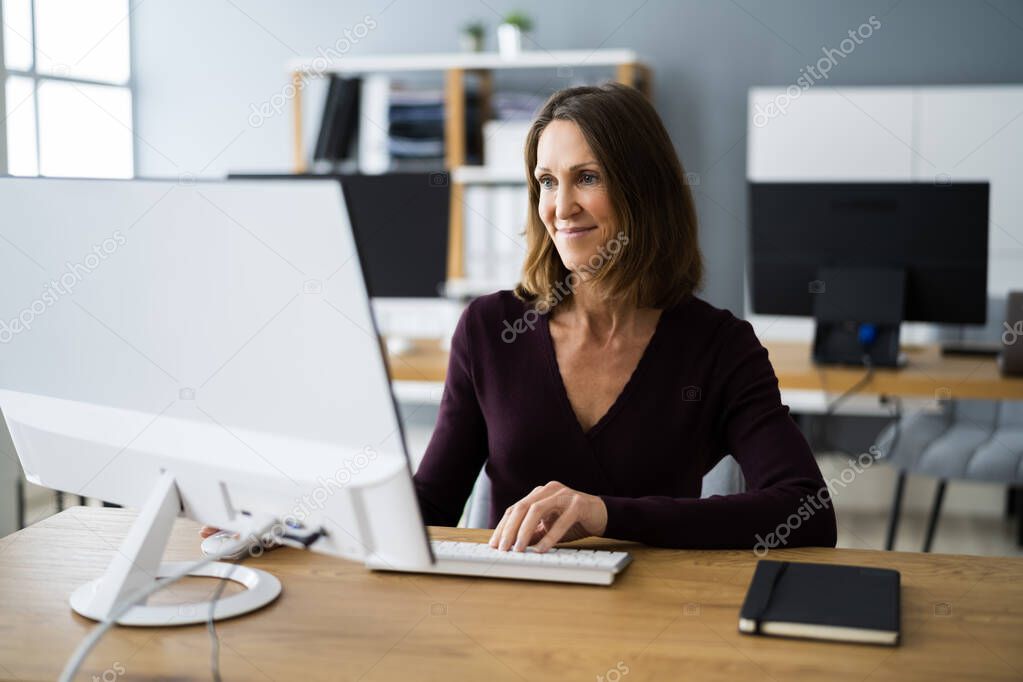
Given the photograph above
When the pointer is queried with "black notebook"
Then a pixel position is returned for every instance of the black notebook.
(823, 601)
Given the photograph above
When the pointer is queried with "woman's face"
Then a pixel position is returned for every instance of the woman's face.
(574, 204)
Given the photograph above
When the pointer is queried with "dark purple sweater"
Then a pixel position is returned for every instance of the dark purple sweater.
(703, 388)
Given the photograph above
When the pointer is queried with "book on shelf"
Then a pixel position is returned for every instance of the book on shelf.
(403, 128)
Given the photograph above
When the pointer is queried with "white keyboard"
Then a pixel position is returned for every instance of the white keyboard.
(564, 565)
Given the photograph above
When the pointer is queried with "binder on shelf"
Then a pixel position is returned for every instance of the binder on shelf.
(495, 246)
(374, 155)
(478, 242)
(510, 222)
(340, 119)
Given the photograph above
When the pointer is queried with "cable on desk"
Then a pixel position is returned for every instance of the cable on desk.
(211, 627)
(302, 541)
(848, 393)
(92, 639)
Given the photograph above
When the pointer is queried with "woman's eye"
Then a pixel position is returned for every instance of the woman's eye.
(589, 179)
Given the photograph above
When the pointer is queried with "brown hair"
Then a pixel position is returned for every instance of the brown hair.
(651, 202)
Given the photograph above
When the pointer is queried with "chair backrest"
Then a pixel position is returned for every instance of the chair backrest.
(724, 479)
(1010, 413)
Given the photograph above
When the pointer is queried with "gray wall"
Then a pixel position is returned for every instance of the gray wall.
(201, 65)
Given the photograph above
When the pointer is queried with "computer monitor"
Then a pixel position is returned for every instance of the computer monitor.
(874, 254)
(204, 349)
(401, 228)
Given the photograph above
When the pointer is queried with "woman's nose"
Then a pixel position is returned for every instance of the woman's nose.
(565, 205)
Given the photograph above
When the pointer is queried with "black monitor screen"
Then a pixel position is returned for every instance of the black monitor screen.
(936, 233)
(401, 229)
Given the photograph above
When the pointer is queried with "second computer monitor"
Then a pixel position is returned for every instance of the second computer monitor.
(937, 234)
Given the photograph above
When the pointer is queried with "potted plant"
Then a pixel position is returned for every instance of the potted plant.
(509, 33)
(472, 36)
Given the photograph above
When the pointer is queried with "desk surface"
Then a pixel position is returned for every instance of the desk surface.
(929, 374)
(671, 615)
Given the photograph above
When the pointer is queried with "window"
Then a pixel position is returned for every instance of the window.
(67, 88)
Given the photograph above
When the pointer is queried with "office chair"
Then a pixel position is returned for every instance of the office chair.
(724, 479)
(968, 440)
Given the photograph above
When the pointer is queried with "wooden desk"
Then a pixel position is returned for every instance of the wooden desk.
(927, 373)
(671, 615)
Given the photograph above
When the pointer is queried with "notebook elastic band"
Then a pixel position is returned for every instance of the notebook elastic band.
(776, 570)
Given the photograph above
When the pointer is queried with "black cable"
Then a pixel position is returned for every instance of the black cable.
(21, 503)
(848, 393)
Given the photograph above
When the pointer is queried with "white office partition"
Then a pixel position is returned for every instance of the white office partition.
(976, 133)
(829, 135)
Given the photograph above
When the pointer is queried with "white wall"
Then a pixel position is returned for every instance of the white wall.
(199, 65)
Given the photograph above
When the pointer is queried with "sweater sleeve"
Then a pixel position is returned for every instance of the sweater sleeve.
(787, 502)
(458, 446)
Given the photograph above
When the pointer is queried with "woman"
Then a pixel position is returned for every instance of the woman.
(601, 390)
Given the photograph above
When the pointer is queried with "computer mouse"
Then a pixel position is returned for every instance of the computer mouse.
(226, 544)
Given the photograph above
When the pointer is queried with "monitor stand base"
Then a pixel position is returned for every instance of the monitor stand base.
(137, 564)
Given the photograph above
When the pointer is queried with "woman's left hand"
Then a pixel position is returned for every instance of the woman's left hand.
(550, 514)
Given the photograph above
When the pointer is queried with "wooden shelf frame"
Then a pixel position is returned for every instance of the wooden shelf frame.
(457, 67)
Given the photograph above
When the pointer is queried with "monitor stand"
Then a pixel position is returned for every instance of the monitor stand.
(137, 564)
(858, 311)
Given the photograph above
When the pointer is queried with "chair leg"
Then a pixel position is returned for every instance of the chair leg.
(932, 521)
(1019, 516)
(1019, 527)
(893, 517)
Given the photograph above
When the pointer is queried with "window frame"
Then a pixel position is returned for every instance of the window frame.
(33, 74)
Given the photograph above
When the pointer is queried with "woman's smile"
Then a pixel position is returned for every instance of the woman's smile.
(576, 232)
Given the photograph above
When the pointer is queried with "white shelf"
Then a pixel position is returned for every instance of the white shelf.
(486, 175)
(439, 61)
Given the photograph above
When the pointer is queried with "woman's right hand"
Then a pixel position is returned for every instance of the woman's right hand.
(207, 531)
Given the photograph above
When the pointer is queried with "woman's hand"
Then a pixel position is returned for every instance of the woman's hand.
(207, 531)
(550, 514)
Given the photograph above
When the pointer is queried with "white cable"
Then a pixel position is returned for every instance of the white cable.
(211, 627)
(92, 639)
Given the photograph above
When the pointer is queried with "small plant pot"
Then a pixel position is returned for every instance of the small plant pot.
(471, 43)
(509, 40)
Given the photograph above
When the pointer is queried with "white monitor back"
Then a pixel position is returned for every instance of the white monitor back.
(219, 330)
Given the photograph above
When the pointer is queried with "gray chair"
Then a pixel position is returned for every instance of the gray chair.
(972, 440)
(724, 479)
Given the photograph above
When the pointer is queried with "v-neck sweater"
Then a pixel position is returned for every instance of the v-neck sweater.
(703, 388)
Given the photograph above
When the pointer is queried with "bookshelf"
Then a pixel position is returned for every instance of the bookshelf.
(456, 68)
